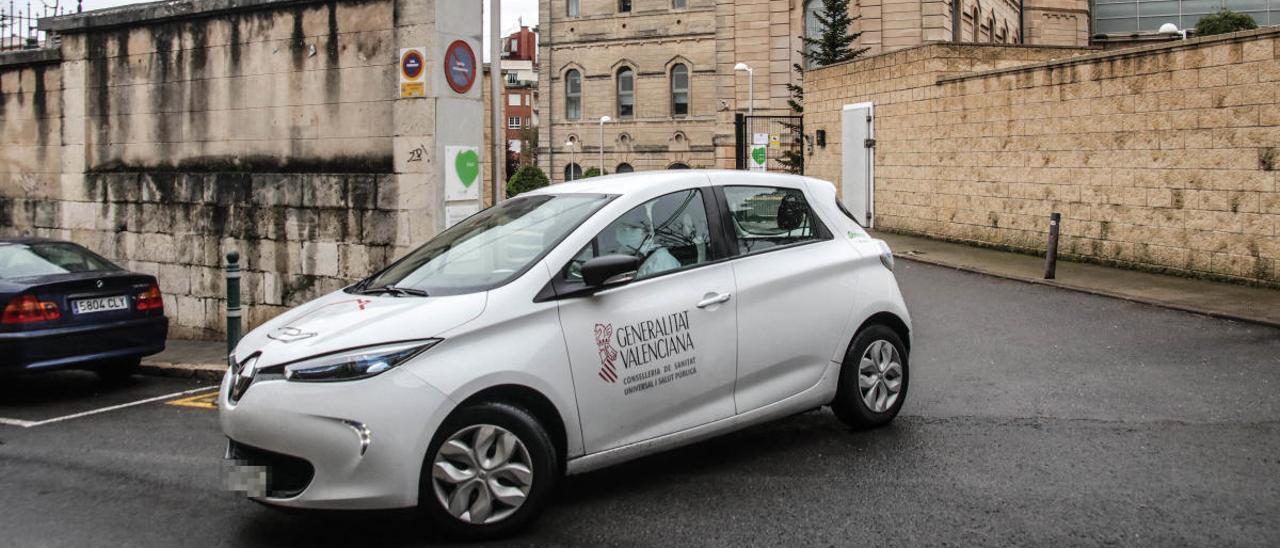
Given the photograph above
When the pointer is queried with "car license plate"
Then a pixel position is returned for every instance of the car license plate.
(101, 304)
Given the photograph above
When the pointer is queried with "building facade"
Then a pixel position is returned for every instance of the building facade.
(663, 71)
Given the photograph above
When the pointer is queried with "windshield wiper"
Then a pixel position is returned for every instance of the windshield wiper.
(397, 291)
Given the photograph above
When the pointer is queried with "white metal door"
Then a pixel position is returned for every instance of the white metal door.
(858, 151)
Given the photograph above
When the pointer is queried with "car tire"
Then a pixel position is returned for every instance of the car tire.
(873, 379)
(119, 370)
(463, 481)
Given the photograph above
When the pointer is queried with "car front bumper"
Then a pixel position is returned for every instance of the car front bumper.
(355, 445)
(77, 346)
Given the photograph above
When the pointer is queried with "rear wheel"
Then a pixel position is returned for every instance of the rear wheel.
(119, 370)
(873, 379)
(488, 472)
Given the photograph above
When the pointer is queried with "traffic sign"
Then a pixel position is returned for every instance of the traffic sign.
(460, 66)
(412, 65)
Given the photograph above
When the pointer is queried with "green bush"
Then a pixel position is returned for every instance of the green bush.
(527, 178)
(1223, 22)
(593, 172)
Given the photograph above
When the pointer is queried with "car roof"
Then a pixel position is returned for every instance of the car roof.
(646, 182)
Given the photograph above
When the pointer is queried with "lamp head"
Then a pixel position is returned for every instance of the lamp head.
(604, 119)
(742, 66)
(1168, 28)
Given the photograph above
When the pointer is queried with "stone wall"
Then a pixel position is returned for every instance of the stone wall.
(1162, 158)
(173, 133)
(30, 140)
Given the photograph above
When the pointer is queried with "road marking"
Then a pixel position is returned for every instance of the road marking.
(199, 401)
(30, 424)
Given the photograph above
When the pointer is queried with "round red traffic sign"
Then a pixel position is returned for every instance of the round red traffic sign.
(460, 66)
(411, 64)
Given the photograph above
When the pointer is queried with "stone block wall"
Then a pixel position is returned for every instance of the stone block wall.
(30, 140)
(173, 133)
(1161, 158)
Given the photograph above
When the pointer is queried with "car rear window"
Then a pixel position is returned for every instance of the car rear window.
(22, 260)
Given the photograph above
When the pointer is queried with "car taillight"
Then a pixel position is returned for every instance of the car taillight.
(29, 309)
(151, 299)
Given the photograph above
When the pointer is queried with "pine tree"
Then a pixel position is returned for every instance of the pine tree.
(834, 45)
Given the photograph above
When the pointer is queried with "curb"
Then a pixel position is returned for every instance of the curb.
(204, 371)
(1091, 291)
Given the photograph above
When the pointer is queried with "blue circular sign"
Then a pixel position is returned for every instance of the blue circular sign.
(460, 66)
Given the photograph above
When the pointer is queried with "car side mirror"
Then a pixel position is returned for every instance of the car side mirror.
(610, 270)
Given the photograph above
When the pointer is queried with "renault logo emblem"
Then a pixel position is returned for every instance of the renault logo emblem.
(290, 334)
(99, 284)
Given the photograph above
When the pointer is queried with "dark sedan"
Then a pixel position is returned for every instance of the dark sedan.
(67, 307)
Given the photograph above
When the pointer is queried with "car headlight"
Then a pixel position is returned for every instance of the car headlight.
(357, 363)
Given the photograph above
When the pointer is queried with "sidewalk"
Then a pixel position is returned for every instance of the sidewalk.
(200, 359)
(1223, 300)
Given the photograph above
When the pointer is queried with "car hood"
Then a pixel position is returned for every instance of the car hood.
(341, 321)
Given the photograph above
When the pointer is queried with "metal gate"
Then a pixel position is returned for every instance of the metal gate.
(783, 142)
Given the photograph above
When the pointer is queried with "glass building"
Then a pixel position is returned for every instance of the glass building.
(1130, 16)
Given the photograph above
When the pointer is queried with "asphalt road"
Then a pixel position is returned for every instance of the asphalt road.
(1035, 416)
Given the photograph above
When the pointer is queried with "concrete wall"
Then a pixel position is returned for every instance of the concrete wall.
(172, 133)
(1161, 158)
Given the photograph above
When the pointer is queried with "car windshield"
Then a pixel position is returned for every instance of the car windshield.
(487, 249)
(22, 260)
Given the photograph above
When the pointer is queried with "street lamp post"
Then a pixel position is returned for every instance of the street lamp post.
(569, 145)
(750, 77)
(603, 119)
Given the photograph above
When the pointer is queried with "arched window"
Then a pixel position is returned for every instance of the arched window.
(680, 90)
(974, 19)
(678, 165)
(957, 16)
(572, 172)
(573, 94)
(574, 8)
(624, 168)
(626, 92)
(991, 28)
(812, 27)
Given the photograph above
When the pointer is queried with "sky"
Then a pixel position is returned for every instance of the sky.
(513, 12)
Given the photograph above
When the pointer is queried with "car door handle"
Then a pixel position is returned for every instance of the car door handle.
(715, 298)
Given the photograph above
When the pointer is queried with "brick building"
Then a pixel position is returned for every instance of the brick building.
(663, 70)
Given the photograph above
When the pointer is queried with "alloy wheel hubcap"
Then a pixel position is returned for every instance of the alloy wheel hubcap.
(482, 474)
(880, 376)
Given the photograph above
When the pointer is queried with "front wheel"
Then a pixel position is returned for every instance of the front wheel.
(488, 472)
(873, 379)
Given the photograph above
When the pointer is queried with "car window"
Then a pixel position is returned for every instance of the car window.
(42, 259)
(489, 248)
(667, 233)
(765, 217)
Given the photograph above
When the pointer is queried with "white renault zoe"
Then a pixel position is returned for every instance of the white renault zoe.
(564, 330)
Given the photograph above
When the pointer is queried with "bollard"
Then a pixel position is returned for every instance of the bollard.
(233, 301)
(1051, 256)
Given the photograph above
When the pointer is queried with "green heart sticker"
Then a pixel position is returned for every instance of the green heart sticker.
(467, 164)
(758, 155)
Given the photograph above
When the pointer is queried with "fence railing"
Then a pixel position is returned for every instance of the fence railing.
(18, 29)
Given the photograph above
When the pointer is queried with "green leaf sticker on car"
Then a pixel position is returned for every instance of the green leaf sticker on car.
(467, 164)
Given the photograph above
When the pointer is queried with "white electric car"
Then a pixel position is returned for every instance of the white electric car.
(568, 329)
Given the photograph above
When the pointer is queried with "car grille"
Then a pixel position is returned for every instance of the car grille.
(287, 476)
